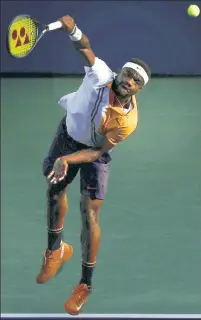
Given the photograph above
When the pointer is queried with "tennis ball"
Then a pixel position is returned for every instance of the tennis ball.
(193, 11)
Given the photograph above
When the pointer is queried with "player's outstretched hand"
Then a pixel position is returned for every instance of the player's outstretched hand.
(68, 23)
(59, 171)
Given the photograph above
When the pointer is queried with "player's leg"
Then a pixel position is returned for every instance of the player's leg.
(90, 236)
(57, 251)
(94, 178)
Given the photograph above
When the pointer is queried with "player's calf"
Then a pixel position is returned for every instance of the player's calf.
(90, 236)
(57, 252)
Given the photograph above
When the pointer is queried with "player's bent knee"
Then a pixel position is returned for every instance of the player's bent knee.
(55, 192)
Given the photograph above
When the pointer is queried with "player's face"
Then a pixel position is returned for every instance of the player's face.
(127, 84)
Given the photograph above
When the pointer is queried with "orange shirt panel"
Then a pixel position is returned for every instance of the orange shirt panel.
(116, 124)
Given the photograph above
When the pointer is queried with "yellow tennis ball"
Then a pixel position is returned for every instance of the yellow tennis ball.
(193, 11)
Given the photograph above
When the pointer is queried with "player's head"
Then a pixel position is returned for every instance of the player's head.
(132, 77)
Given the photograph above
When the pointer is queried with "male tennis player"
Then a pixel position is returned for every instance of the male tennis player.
(100, 114)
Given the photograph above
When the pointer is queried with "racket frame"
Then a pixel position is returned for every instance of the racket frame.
(38, 37)
(50, 27)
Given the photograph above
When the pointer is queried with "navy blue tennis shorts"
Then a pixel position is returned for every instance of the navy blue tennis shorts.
(93, 176)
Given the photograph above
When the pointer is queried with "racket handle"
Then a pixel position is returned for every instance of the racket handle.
(54, 26)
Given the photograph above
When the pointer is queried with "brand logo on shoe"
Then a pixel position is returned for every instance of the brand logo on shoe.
(62, 251)
(79, 307)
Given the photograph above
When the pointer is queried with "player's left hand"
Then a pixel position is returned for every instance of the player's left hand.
(59, 171)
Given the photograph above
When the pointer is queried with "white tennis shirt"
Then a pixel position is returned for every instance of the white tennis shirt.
(88, 114)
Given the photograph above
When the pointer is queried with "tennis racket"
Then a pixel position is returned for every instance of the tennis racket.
(24, 34)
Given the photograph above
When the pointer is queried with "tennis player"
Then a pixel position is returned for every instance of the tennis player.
(99, 115)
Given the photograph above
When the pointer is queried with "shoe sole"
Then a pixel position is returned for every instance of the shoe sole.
(71, 312)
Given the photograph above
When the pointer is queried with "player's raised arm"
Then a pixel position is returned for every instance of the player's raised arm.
(80, 41)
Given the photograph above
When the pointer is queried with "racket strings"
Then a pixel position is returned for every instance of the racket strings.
(22, 36)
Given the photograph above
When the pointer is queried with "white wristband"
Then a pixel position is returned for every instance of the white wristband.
(77, 34)
(54, 26)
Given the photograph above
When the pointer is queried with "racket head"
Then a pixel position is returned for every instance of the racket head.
(22, 36)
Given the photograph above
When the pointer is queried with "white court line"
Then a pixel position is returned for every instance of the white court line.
(61, 315)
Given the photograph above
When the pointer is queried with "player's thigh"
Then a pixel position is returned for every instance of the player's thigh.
(59, 147)
(56, 149)
(60, 187)
(94, 179)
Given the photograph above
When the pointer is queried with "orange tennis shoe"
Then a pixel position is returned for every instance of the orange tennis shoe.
(78, 298)
(52, 262)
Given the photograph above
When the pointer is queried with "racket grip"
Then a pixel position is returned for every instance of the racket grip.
(54, 26)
